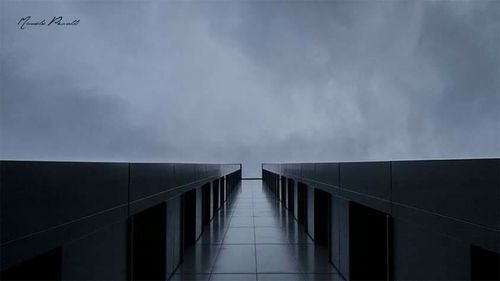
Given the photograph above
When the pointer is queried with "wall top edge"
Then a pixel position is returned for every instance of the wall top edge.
(386, 161)
(114, 162)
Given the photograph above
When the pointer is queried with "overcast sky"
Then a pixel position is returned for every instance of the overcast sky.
(250, 81)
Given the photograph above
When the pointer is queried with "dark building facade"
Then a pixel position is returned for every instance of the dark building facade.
(399, 220)
(105, 221)
(402, 220)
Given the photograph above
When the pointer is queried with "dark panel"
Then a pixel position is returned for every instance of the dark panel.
(307, 170)
(221, 191)
(150, 178)
(322, 217)
(295, 170)
(291, 193)
(302, 203)
(283, 192)
(215, 198)
(463, 189)
(184, 173)
(189, 217)
(199, 213)
(457, 229)
(335, 231)
(228, 187)
(43, 267)
(368, 255)
(99, 256)
(174, 234)
(421, 254)
(296, 201)
(310, 211)
(149, 244)
(278, 189)
(206, 205)
(344, 237)
(485, 265)
(372, 178)
(59, 192)
(327, 173)
(201, 171)
(212, 203)
(21, 250)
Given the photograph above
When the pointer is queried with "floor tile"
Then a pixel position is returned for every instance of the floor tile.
(241, 222)
(276, 259)
(264, 213)
(239, 235)
(266, 221)
(243, 213)
(271, 235)
(235, 259)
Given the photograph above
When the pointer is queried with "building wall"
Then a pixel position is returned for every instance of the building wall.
(437, 210)
(85, 208)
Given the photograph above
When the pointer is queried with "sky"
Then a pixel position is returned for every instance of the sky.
(250, 81)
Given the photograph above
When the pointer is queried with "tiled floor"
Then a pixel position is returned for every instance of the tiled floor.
(254, 238)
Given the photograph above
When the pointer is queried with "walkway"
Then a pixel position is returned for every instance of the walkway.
(254, 238)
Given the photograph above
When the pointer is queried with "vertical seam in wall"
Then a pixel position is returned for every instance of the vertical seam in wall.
(128, 192)
(390, 187)
(340, 185)
(254, 237)
(347, 225)
(389, 228)
(130, 227)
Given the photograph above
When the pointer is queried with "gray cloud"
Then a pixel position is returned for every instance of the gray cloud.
(251, 82)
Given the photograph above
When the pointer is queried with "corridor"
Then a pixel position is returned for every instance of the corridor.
(253, 237)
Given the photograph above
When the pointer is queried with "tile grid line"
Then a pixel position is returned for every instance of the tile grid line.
(254, 235)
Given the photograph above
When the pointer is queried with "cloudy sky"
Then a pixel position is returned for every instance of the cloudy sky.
(250, 81)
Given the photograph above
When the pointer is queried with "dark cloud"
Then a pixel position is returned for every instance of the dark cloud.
(252, 82)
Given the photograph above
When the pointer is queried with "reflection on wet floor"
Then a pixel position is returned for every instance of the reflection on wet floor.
(255, 238)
